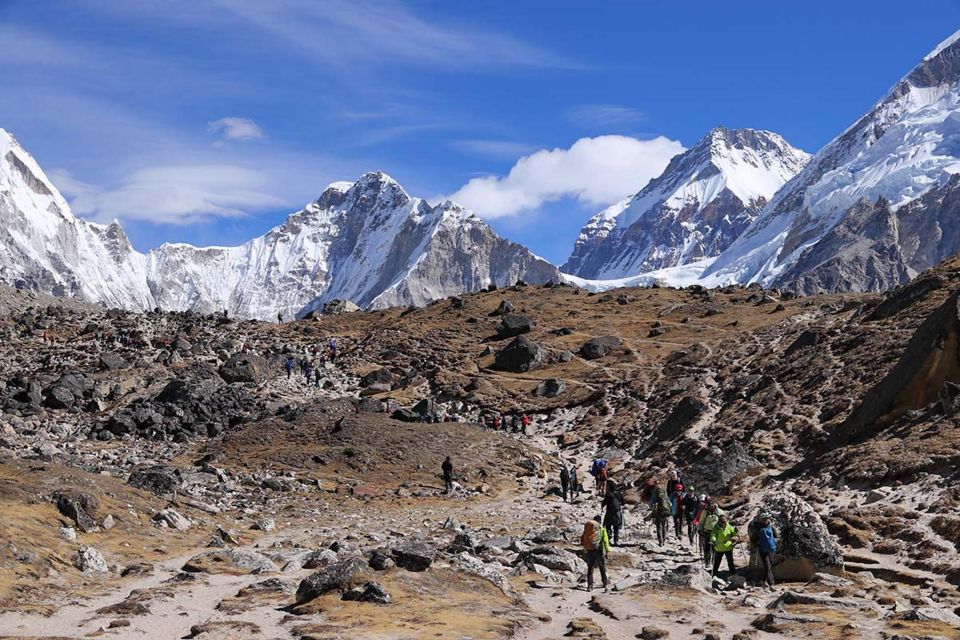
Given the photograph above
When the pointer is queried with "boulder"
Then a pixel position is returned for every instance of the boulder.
(73, 508)
(513, 325)
(245, 367)
(172, 519)
(550, 388)
(159, 480)
(319, 559)
(522, 354)
(595, 348)
(89, 560)
(368, 592)
(413, 555)
(231, 562)
(59, 398)
(506, 307)
(339, 307)
(110, 361)
(377, 377)
(337, 577)
(806, 546)
(555, 559)
(381, 560)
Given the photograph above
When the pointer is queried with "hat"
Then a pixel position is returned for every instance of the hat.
(679, 487)
(596, 518)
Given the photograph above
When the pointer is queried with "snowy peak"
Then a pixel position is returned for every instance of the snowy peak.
(700, 203)
(897, 152)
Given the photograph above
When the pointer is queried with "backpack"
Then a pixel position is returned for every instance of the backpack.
(663, 502)
(590, 538)
(604, 474)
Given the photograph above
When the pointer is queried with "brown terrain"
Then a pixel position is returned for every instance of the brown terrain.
(161, 477)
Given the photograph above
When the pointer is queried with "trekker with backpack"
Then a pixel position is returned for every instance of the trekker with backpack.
(691, 505)
(565, 482)
(288, 365)
(447, 468)
(574, 483)
(613, 511)
(596, 544)
(707, 520)
(723, 537)
(599, 468)
(661, 513)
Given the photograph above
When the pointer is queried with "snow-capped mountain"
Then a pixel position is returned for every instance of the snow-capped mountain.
(876, 205)
(368, 242)
(44, 247)
(695, 209)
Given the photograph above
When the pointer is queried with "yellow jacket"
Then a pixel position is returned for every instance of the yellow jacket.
(723, 537)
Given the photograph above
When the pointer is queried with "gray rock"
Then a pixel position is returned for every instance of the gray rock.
(414, 555)
(550, 388)
(599, 347)
(336, 577)
(245, 367)
(368, 592)
(158, 479)
(513, 325)
(89, 560)
(521, 355)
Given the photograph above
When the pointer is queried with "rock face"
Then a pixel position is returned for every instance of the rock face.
(930, 362)
(368, 243)
(695, 209)
(874, 207)
(805, 544)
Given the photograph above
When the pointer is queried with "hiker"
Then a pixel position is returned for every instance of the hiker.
(599, 465)
(574, 483)
(672, 485)
(447, 467)
(678, 514)
(660, 511)
(333, 350)
(496, 422)
(308, 372)
(317, 376)
(706, 521)
(613, 511)
(691, 505)
(723, 537)
(766, 544)
(288, 365)
(595, 542)
(565, 482)
(525, 421)
(280, 318)
(515, 424)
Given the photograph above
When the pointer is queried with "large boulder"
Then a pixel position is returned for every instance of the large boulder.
(806, 546)
(506, 307)
(513, 325)
(110, 361)
(157, 479)
(522, 354)
(414, 555)
(89, 560)
(377, 377)
(73, 507)
(245, 367)
(550, 388)
(339, 576)
(595, 348)
(338, 307)
(555, 559)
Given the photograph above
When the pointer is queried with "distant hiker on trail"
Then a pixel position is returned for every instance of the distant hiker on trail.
(565, 482)
(317, 375)
(595, 542)
(691, 505)
(764, 539)
(661, 511)
(308, 372)
(496, 423)
(333, 350)
(672, 485)
(447, 468)
(599, 472)
(288, 365)
(515, 424)
(525, 421)
(612, 506)
(280, 318)
(723, 537)
(574, 483)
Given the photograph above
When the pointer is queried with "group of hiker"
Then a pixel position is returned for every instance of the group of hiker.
(716, 537)
(517, 423)
(312, 374)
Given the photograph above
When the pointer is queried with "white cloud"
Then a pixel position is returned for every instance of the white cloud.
(595, 171)
(239, 129)
(183, 194)
(605, 115)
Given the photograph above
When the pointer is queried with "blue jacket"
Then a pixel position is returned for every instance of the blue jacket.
(766, 540)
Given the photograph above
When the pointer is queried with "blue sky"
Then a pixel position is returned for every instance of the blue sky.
(208, 121)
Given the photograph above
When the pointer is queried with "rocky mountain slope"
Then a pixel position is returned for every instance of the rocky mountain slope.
(368, 242)
(875, 206)
(695, 209)
(142, 438)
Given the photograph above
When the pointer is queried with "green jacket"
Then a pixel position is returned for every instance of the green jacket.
(604, 540)
(722, 538)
